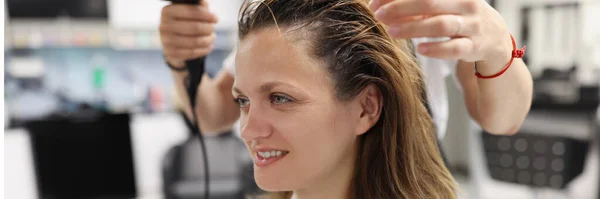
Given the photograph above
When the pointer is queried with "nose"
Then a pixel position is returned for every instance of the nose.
(255, 124)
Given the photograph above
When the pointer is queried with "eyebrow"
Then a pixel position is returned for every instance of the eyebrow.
(267, 87)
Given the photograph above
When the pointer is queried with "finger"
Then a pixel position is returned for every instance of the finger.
(189, 28)
(204, 3)
(402, 20)
(404, 8)
(437, 26)
(457, 48)
(181, 41)
(189, 12)
(375, 4)
(187, 53)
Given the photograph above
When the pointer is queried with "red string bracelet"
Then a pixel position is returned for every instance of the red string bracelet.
(516, 53)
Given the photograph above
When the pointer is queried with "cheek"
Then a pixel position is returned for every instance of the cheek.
(314, 124)
(320, 134)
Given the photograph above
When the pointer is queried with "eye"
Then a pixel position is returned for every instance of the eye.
(280, 99)
(241, 101)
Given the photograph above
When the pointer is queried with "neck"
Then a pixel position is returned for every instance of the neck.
(336, 190)
(335, 186)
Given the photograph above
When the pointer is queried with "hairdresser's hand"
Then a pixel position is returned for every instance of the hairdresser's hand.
(186, 32)
(477, 31)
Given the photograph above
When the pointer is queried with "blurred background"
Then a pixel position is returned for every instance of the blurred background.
(91, 110)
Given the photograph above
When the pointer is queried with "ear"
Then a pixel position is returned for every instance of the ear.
(371, 104)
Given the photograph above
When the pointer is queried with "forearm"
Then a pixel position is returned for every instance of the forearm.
(178, 81)
(215, 109)
(503, 102)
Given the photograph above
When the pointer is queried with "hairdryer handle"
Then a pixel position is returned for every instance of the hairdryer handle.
(186, 1)
(196, 70)
(195, 67)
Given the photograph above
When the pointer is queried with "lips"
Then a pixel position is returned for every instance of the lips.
(264, 157)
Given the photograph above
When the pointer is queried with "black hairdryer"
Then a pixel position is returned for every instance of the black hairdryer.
(195, 69)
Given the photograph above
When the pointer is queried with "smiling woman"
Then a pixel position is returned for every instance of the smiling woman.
(331, 106)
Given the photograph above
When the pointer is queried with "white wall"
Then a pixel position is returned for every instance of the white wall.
(558, 38)
(19, 175)
(147, 13)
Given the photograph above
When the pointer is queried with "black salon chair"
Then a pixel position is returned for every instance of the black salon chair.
(230, 168)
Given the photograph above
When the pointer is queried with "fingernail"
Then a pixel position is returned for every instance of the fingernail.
(380, 13)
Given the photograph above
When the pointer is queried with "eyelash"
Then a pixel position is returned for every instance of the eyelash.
(243, 102)
(240, 103)
(285, 97)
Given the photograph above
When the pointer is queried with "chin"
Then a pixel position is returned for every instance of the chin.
(271, 183)
(271, 187)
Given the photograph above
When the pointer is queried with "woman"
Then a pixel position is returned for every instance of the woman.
(331, 106)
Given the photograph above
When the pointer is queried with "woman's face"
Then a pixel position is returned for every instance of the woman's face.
(298, 134)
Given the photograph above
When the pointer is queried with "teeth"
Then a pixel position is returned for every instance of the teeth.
(268, 154)
(264, 154)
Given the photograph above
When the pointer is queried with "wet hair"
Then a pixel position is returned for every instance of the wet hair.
(398, 157)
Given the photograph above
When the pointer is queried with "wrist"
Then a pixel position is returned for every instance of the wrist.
(179, 75)
(497, 59)
(176, 64)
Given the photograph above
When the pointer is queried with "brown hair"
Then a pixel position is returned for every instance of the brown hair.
(398, 157)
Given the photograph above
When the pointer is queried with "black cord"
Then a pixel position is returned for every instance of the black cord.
(195, 68)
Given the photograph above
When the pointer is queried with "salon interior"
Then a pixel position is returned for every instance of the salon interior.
(90, 109)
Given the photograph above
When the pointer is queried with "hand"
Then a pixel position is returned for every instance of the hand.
(186, 32)
(477, 32)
